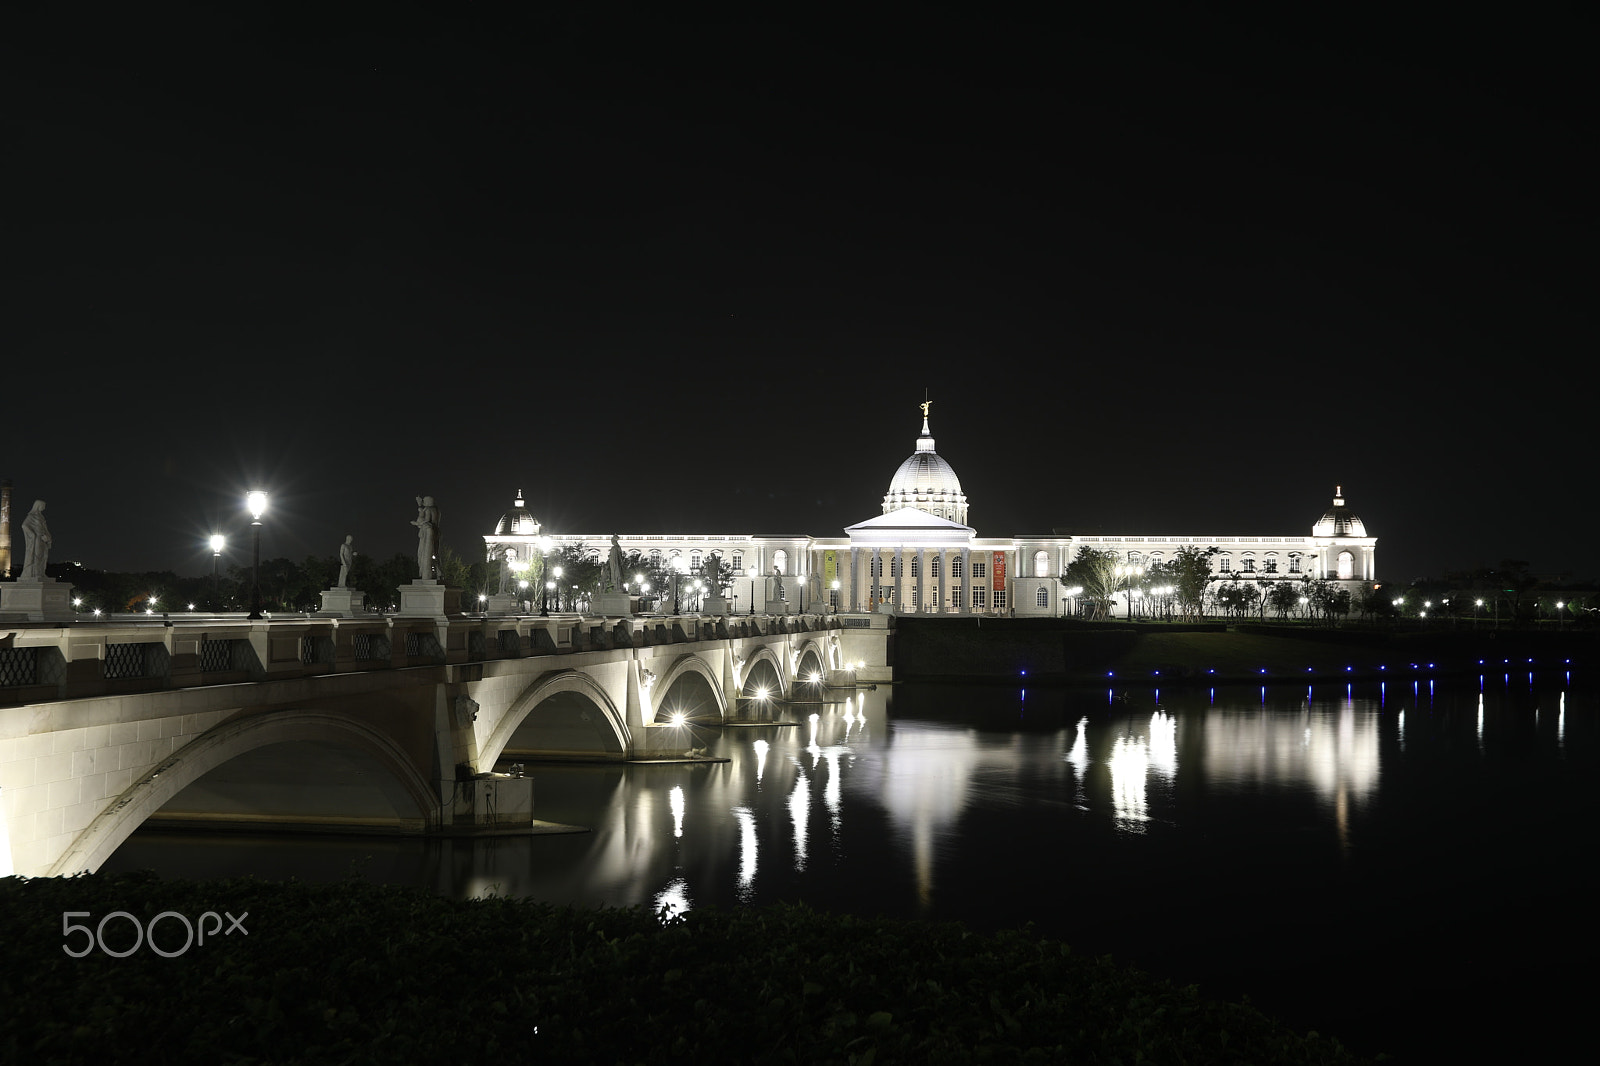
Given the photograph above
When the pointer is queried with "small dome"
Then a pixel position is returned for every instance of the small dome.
(517, 522)
(1339, 521)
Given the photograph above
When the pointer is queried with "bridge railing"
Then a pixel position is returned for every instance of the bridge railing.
(43, 662)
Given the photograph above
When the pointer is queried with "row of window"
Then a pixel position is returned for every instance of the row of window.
(980, 569)
(979, 595)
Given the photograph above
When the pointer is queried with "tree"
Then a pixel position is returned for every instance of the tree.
(1190, 573)
(471, 578)
(1095, 570)
(380, 582)
(1284, 597)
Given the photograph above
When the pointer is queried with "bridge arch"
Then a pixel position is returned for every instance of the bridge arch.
(577, 718)
(406, 788)
(689, 665)
(762, 653)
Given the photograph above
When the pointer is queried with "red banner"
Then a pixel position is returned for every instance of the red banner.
(999, 570)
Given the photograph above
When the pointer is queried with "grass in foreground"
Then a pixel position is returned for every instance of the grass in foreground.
(357, 973)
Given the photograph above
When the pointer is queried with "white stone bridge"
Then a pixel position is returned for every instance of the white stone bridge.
(389, 724)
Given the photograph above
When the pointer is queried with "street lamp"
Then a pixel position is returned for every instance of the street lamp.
(678, 568)
(1131, 572)
(218, 542)
(256, 501)
(544, 562)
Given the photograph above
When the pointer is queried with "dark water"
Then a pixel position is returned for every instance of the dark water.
(1402, 866)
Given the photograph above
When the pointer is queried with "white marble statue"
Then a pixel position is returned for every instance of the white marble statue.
(36, 544)
(427, 523)
(508, 564)
(616, 565)
(347, 560)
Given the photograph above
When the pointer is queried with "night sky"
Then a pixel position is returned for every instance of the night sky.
(669, 272)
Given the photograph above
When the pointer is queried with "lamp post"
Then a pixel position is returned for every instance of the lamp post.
(1131, 572)
(544, 565)
(218, 542)
(256, 501)
(678, 567)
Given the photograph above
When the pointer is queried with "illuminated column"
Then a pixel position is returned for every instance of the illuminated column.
(852, 598)
(922, 579)
(899, 575)
(875, 569)
(966, 580)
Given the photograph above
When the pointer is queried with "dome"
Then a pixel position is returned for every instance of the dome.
(517, 522)
(928, 483)
(1339, 521)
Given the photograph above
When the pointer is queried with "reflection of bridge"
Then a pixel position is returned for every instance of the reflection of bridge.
(387, 724)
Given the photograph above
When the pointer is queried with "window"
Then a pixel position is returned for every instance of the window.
(999, 599)
(980, 570)
(916, 566)
(956, 569)
(979, 599)
(1041, 597)
(1347, 566)
(1294, 563)
(875, 566)
(1270, 565)
(780, 561)
(1041, 564)
(938, 562)
(655, 557)
(1225, 565)
(1249, 565)
(694, 560)
(894, 566)
(738, 560)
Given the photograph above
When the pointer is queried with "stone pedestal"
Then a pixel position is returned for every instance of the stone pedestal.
(38, 601)
(430, 599)
(714, 605)
(503, 603)
(611, 604)
(347, 603)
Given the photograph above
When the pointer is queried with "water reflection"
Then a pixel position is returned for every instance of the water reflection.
(948, 803)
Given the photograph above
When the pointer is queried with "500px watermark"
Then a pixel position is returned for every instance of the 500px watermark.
(146, 933)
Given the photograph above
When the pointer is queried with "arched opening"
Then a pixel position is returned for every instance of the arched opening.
(288, 770)
(305, 784)
(688, 697)
(1347, 566)
(562, 723)
(1041, 564)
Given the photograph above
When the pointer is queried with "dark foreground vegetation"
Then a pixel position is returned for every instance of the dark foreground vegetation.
(356, 973)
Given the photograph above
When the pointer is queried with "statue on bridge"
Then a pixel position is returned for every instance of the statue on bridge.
(427, 523)
(36, 544)
(347, 560)
(508, 563)
(615, 561)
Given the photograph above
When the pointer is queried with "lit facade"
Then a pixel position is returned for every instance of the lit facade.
(919, 556)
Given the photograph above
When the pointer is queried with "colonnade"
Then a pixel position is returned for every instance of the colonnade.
(920, 579)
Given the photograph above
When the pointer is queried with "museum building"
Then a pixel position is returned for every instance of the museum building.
(918, 555)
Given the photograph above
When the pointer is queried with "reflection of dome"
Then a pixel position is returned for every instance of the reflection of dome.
(517, 522)
(1339, 522)
(925, 481)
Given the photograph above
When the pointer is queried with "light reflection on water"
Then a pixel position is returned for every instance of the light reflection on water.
(1305, 830)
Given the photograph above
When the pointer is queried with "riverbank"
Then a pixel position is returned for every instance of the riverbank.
(1072, 651)
(353, 972)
